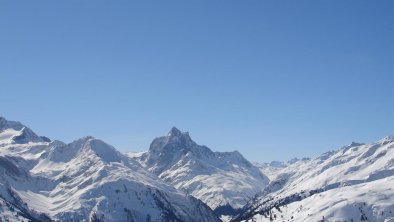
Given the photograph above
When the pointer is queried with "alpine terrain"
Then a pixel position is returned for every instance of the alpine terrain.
(178, 180)
(223, 180)
(86, 180)
(354, 183)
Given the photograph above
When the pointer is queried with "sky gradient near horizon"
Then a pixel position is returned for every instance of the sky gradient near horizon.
(271, 79)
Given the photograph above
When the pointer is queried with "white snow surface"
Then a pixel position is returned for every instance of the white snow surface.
(354, 182)
(216, 178)
(350, 165)
(373, 201)
(87, 180)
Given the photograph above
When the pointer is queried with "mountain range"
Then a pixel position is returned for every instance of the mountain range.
(177, 179)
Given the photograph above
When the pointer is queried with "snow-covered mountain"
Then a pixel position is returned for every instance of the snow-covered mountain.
(220, 179)
(86, 180)
(372, 201)
(354, 182)
(15, 132)
(179, 180)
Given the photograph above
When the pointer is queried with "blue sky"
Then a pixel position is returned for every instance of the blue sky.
(272, 79)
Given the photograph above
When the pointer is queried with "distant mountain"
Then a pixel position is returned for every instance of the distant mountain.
(15, 132)
(86, 180)
(179, 180)
(354, 182)
(223, 180)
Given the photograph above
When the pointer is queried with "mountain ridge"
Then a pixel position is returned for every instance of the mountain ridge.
(178, 180)
(356, 165)
(217, 178)
(88, 180)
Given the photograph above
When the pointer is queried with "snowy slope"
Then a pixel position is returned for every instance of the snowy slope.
(357, 172)
(9, 212)
(216, 178)
(15, 132)
(372, 201)
(87, 180)
(352, 164)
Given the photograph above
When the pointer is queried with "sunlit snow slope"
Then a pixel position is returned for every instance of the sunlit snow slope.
(354, 182)
(179, 180)
(216, 178)
(86, 180)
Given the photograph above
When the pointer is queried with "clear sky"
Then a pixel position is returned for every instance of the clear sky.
(271, 79)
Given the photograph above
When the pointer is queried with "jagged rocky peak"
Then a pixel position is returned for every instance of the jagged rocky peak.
(168, 149)
(175, 133)
(6, 124)
(217, 178)
(175, 140)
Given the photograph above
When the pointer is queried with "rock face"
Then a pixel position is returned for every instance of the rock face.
(217, 178)
(86, 180)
